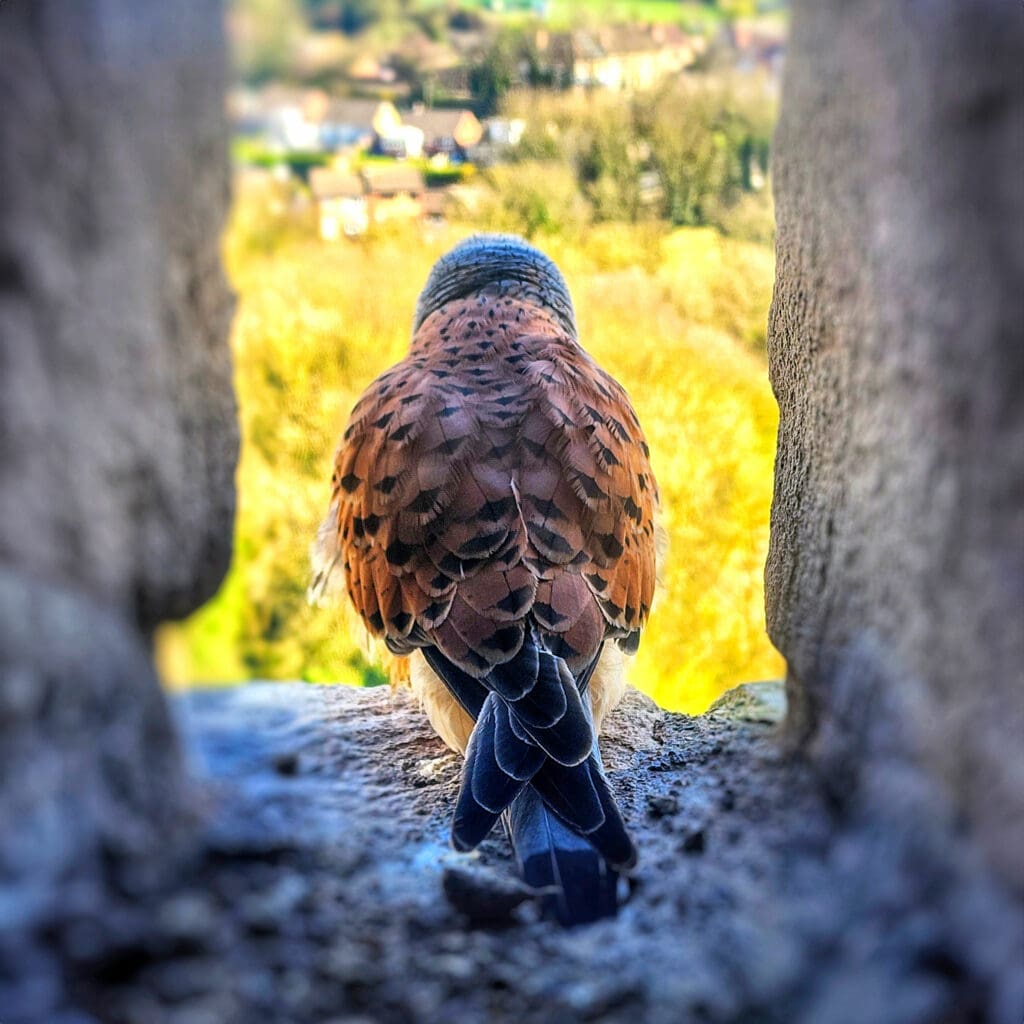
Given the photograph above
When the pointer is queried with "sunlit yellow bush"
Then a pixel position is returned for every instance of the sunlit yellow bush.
(675, 317)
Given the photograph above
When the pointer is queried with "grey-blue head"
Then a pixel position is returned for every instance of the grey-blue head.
(496, 260)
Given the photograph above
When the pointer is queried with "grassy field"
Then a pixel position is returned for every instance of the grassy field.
(678, 317)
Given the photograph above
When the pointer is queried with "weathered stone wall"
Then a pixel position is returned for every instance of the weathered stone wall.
(895, 579)
(117, 428)
(117, 438)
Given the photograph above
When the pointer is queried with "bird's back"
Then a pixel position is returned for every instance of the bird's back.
(494, 475)
(493, 509)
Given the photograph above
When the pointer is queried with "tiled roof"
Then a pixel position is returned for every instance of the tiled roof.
(383, 180)
(434, 124)
(351, 113)
(327, 184)
(618, 40)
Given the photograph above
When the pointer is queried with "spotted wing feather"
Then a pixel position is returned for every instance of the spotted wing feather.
(589, 497)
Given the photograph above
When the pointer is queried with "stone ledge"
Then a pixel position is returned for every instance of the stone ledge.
(319, 892)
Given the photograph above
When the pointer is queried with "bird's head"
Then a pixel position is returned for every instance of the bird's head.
(496, 259)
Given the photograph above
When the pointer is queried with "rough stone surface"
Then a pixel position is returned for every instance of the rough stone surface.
(895, 580)
(91, 781)
(325, 889)
(117, 445)
(118, 438)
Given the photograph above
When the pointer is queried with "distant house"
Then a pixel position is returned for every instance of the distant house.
(434, 204)
(500, 135)
(429, 56)
(760, 45)
(452, 132)
(368, 70)
(341, 203)
(348, 203)
(346, 122)
(631, 57)
(555, 56)
(451, 81)
(405, 141)
(286, 118)
(505, 131)
(393, 193)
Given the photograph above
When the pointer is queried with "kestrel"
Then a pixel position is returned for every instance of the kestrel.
(492, 517)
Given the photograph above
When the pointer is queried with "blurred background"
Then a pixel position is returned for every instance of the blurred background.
(631, 142)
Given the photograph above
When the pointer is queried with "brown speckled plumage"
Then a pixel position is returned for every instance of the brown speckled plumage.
(495, 474)
(492, 497)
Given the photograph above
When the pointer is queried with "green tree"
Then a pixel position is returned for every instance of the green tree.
(686, 154)
(533, 199)
(353, 16)
(492, 76)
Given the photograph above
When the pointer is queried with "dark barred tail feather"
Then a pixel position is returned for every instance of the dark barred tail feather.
(577, 884)
(546, 783)
(578, 874)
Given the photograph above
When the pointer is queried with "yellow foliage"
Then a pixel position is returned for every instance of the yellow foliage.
(677, 318)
